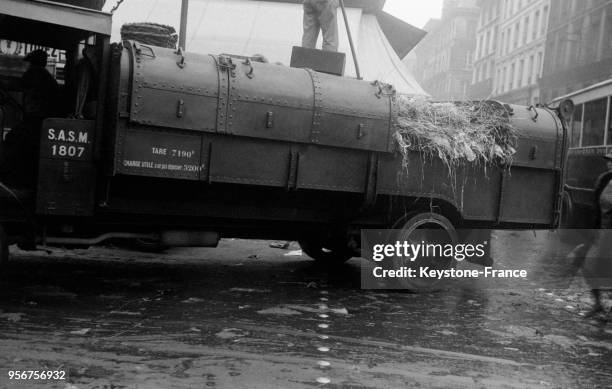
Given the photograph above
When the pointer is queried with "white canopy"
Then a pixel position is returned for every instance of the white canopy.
(270, 28)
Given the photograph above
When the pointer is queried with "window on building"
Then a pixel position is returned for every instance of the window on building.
(511, 78)
(508, 37)
(590, 38)
(487, 43)
(494, 37)
(525, 30)
(594, 122)
(460, 26)
(530, 72)
(503, 82)
(538, 69)
(520, 73)
(536, 25)
(502, 41)
(544, 21)
(517, 31)
(498, 81)
(576, 127)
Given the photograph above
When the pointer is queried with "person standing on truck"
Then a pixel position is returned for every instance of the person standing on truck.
(321, 15)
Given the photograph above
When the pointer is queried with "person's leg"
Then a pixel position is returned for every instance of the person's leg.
(329, 24)
(597, 305)
(311, 25)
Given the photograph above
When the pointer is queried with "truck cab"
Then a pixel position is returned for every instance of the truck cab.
(62, 181)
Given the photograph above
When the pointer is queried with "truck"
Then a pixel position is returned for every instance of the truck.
(182, 149)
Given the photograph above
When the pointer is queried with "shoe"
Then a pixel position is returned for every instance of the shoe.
(598, 308)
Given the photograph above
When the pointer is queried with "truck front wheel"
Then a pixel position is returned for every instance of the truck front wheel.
(428, 228)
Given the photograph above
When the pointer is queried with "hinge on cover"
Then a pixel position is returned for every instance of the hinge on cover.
(227, 65)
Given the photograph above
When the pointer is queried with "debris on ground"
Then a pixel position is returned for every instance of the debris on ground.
(13, 317)
(340, 311)
(295, 253)
(81, 331)
(230, 333)
(193, 300)
(280, 245)
(249, 290)
(125, 313)
(279, 311)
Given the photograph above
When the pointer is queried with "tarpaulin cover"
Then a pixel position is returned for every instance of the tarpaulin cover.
(246, 27)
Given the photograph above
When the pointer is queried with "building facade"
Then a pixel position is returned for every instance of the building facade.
(521, 50)
(445, 56)
(485, 53)
(578, 47)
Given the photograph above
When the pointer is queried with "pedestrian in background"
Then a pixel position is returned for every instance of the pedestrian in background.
(595, 256)
(321, 15)
(598, 265)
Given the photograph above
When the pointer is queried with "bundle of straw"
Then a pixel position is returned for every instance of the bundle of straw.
(150, 34)
(455, 133)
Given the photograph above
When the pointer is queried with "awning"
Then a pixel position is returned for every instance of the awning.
(49, 23)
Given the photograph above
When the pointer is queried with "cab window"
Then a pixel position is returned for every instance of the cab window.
(594, 122)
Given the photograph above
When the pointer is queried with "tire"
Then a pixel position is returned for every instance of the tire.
(418, 228)
(334, 254)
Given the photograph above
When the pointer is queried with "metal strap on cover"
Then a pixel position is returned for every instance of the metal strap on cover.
(318, 106)
(222, 110)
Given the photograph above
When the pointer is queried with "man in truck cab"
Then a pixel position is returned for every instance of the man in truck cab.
(40, 90)
(40, 101)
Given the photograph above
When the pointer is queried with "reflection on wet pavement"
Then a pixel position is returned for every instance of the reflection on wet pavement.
(246, 315)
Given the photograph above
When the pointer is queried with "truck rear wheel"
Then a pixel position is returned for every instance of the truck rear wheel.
(429, 228)
(329, 254)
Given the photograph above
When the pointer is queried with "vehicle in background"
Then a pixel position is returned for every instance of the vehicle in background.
(590, 140)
